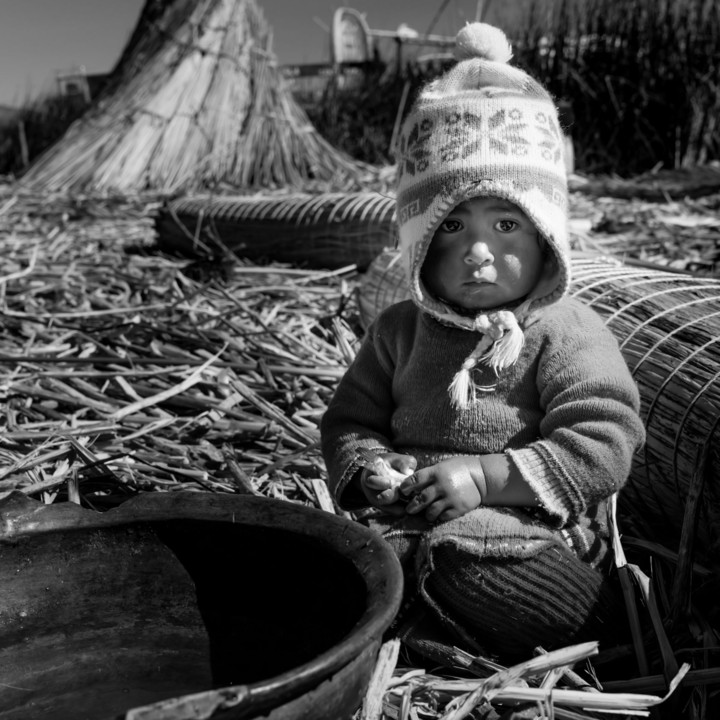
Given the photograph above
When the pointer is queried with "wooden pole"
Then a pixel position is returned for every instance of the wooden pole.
(24, 153)
(398, 116)
(481, 9)
(437, 16)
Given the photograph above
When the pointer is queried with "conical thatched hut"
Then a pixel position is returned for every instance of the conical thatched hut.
(196, 102)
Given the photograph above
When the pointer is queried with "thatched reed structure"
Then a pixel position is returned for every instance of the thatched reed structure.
(195, 101)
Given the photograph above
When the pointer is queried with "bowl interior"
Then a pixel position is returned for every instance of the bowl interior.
(94, 621)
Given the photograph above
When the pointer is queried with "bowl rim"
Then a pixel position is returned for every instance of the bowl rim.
(21, 516)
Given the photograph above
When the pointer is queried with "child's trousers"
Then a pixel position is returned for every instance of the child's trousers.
(507, 580)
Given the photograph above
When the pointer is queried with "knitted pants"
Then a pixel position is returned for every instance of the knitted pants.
(510, 582)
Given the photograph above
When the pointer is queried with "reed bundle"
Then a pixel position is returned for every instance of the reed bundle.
(199, 102)
(329, 230)
(668, 327)
(657, 185)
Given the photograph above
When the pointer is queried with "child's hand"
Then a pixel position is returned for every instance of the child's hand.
(445, 490)
(381, 479)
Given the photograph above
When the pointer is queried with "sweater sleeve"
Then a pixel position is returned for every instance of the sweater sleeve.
(358, 415)
(591, 426)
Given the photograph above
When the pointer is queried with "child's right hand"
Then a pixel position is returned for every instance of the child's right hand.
(381, 479)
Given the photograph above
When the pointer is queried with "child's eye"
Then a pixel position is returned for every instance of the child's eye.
(506, 225)
(451, 226)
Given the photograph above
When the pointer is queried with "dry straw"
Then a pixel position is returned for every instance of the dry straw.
(533, 683)
(124, 372)
(146, 372)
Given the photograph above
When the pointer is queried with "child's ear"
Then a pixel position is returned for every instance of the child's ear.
(551, 269)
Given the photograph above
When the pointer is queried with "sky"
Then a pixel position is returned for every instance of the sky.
(38, 38)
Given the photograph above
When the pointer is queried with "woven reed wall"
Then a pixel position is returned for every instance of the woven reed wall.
(668, 328)
(330, 230)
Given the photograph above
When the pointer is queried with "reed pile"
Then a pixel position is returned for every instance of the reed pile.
(681, 234)
(197, 101)
(543, 687)
(125, 370)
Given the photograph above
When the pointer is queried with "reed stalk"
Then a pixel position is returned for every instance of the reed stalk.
(641, 78)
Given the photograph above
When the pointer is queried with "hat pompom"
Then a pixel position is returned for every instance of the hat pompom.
(480, 40)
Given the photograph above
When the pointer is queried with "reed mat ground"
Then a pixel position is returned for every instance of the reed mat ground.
(124, 370)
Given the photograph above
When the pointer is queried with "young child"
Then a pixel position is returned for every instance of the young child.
(506, 404)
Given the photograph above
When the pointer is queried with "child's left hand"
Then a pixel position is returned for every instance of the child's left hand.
(445, 490)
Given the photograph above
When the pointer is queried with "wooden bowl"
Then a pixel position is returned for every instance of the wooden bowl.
(189, 605)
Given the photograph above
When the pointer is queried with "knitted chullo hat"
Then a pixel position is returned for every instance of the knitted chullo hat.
(484, 128)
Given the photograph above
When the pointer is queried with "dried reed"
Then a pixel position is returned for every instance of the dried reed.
(160, 376)
(123, 371)
(641, 77)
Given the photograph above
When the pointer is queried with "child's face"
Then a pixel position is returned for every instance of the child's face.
(484, 255)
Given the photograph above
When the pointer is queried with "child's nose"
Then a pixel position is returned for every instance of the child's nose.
(479, 253)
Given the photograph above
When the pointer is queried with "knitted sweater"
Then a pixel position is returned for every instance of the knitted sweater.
(566, 413)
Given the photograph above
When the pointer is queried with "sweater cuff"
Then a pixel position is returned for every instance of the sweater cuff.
(349, 496)
(547, 479)
(347, 491)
